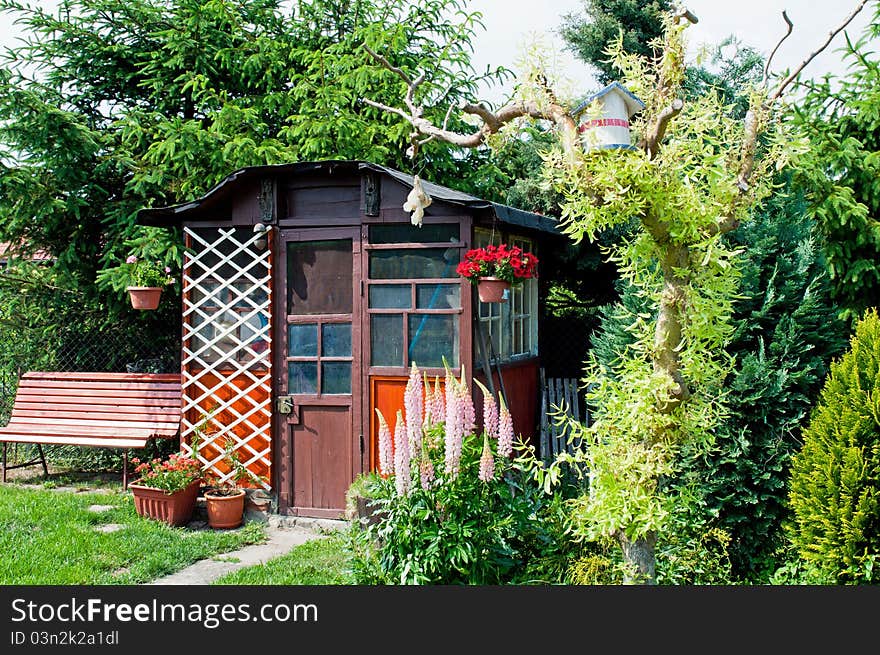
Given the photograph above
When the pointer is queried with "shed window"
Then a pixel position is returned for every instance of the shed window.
(414, 295)
(510, 328)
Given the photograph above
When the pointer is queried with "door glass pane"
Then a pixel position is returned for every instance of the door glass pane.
(302, 377)
(405, 264)
(390, 296)
(336, 377)
(302, 340)
(336, 340)
(319, 277)
(386, 340)
(431, 337)
(438, 296)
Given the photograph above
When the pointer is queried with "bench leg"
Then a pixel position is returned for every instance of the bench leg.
(125, 470)
(43, 460)
(5, 444)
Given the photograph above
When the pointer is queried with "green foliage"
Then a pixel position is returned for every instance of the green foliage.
(786, 332)
(839, 115)
(835, 480)
(639, 23)
(458, 531)
(112, 105)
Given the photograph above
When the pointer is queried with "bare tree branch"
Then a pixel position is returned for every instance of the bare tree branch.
(492, 122)
(779, 43)
(651, 141)
(780, 89)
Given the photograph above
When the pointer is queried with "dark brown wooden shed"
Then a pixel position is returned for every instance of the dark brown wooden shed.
(307, 294)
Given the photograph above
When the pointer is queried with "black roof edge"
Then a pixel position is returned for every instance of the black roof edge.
(165, 216)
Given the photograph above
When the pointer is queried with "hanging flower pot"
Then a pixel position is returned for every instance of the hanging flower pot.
(144, 297)
(492, 289)
(494, 269)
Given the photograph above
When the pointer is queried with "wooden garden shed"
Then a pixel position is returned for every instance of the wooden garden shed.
(307, 294)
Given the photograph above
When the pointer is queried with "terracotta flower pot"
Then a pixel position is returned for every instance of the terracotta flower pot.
(144, 297)
(491, 289)
(225, 512)
(172, 508)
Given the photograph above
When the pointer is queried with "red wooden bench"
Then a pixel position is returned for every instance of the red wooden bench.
(102, 410)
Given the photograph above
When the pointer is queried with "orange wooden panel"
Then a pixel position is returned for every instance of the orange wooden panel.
(386, 393)
(521, 385)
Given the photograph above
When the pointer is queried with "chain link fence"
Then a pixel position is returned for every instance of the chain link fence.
(77, 346)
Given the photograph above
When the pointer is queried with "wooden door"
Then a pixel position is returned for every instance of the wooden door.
(318, 385)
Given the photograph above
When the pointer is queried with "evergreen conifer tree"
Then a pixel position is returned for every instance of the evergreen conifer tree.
(835, 481)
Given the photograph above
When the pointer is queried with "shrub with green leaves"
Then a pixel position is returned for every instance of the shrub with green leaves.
(450, 505)
(835, 481)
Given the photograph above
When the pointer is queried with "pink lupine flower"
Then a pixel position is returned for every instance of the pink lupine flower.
(452, 442)
(426, 471)
(429, 418)
(414, 405)
(131, 259)
(505, 430)
(401, 457)
(167, 269)
(490, 415)
(468, 413)
(439, 409)
(386, 457)
(449, 393)
(487, 461)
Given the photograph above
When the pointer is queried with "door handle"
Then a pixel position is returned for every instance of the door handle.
(284, 404)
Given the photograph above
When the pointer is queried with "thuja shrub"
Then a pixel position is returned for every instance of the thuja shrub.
(449, 504)
(835, 477)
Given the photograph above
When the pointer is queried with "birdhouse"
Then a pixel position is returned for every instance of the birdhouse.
(603, 118)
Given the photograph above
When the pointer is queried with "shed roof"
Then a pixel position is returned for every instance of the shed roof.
(174, 214)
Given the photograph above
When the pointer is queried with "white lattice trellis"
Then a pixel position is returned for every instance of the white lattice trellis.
(226, 313)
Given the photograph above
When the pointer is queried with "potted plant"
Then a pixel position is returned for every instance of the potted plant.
(146, 281)
(224, 499)
(166, 490)
(494, 269)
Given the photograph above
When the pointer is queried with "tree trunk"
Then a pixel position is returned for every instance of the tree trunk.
(638, 555)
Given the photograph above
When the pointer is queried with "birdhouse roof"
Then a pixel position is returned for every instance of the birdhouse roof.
(633, 104)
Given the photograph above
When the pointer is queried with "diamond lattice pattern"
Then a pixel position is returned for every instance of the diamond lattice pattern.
(227, 368)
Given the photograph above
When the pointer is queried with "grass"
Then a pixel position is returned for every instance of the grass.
(51, 537)
(317, 562)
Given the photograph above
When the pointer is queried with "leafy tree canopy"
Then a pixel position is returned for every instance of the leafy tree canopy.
(111, 105)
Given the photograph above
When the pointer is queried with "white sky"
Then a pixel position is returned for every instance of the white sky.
(758, 23)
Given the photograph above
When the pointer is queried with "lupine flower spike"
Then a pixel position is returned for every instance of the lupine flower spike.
(487, 461)
(490, 411)
(401, 457)
(430, 419)
(453, 426)
(505, 430)
(469, 415)
(386, 458)
(414, 405)
(426, 470)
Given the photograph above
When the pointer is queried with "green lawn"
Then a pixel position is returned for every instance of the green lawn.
(317, 562)
(50, 537)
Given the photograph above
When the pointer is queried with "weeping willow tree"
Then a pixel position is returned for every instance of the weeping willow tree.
(695, 174)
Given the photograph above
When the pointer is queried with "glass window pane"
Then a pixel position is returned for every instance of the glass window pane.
(336, 377)
(319, 277)
(390, 296)
(386, 340)
(336, 340)
(409, 233)
(302, 377)
(431, 337)
(407, 264)
(302, 340)
(438, 296)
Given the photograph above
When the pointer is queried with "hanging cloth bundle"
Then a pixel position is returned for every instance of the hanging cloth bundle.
(416, 202)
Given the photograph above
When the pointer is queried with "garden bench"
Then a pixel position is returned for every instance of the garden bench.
(102, 410)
